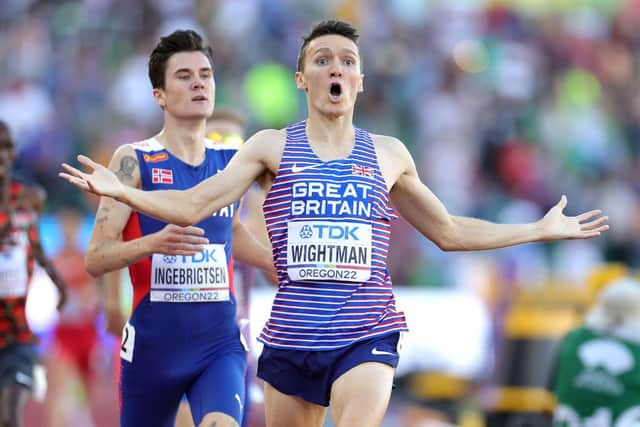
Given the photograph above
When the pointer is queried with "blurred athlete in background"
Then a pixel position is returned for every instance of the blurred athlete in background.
(20, 247)
(72, 356)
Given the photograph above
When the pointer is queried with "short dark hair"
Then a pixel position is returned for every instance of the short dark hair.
(326, 28)
(178, 41)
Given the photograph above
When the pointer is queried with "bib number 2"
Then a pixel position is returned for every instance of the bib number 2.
(128, 342)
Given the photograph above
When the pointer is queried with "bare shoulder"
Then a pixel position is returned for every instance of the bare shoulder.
(393, 157)
(390, 146)
(124, 150)
(125, 164)
(268, 137)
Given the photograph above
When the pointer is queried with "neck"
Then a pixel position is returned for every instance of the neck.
(332, 130)
(184, 139)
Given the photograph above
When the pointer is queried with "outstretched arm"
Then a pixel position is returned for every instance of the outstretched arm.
(175, 206)
(108, 252)
(420, 207)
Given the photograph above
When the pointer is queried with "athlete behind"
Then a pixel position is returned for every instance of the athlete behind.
(20, 248)
(334, 327)
(182, 337)
(75, 342)
(596, 381)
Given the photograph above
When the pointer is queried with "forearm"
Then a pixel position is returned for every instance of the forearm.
(172, 206)
(48, 267)
(475, 234)
(249, 250)
(109, 255)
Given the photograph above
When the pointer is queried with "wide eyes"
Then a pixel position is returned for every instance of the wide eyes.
(323, 60)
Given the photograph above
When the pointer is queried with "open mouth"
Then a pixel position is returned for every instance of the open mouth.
(335, 90)
(199, 98)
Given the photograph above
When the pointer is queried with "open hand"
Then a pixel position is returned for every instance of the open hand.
(557, 225)
(176, 240)
(100, 180)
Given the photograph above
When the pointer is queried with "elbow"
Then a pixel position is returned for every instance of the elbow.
(183, 222)
(191, 214)
(449, 237)
(452, 244)
(93, 267)
(447, 240)
(186, 219)
(445, 245)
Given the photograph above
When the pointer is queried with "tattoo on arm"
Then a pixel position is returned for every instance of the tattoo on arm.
(128, 165)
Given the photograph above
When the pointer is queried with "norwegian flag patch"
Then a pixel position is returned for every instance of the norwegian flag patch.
(362, 170)
(161, 176)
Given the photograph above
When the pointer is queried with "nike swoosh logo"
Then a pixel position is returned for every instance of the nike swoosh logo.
(296, 169)
(377, 352)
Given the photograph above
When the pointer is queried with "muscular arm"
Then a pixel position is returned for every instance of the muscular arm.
(420, 207)
(107, 251)
(188, 206)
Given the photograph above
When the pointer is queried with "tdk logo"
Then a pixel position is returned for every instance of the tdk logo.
(206, 256)
(342, 232)
(306, 232)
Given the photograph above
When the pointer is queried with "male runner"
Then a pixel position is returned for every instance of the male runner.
(182, 337)
(20, 246)
(334, 326)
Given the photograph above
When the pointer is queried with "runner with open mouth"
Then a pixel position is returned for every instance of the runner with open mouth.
(335, 91)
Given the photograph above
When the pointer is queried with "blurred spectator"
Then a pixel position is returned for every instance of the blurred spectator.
(599, 362)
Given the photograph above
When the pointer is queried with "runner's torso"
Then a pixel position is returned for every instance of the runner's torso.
(16, 268)
(329, 223)
(174, 295)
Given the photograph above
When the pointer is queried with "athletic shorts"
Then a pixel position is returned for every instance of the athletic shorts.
(209, 371)
(76, 344)
(16, 365)
(310, 374)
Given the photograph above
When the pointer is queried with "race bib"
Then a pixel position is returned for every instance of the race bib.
(13, 271)
(203, 277)
(128, 342)
(326, 250)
